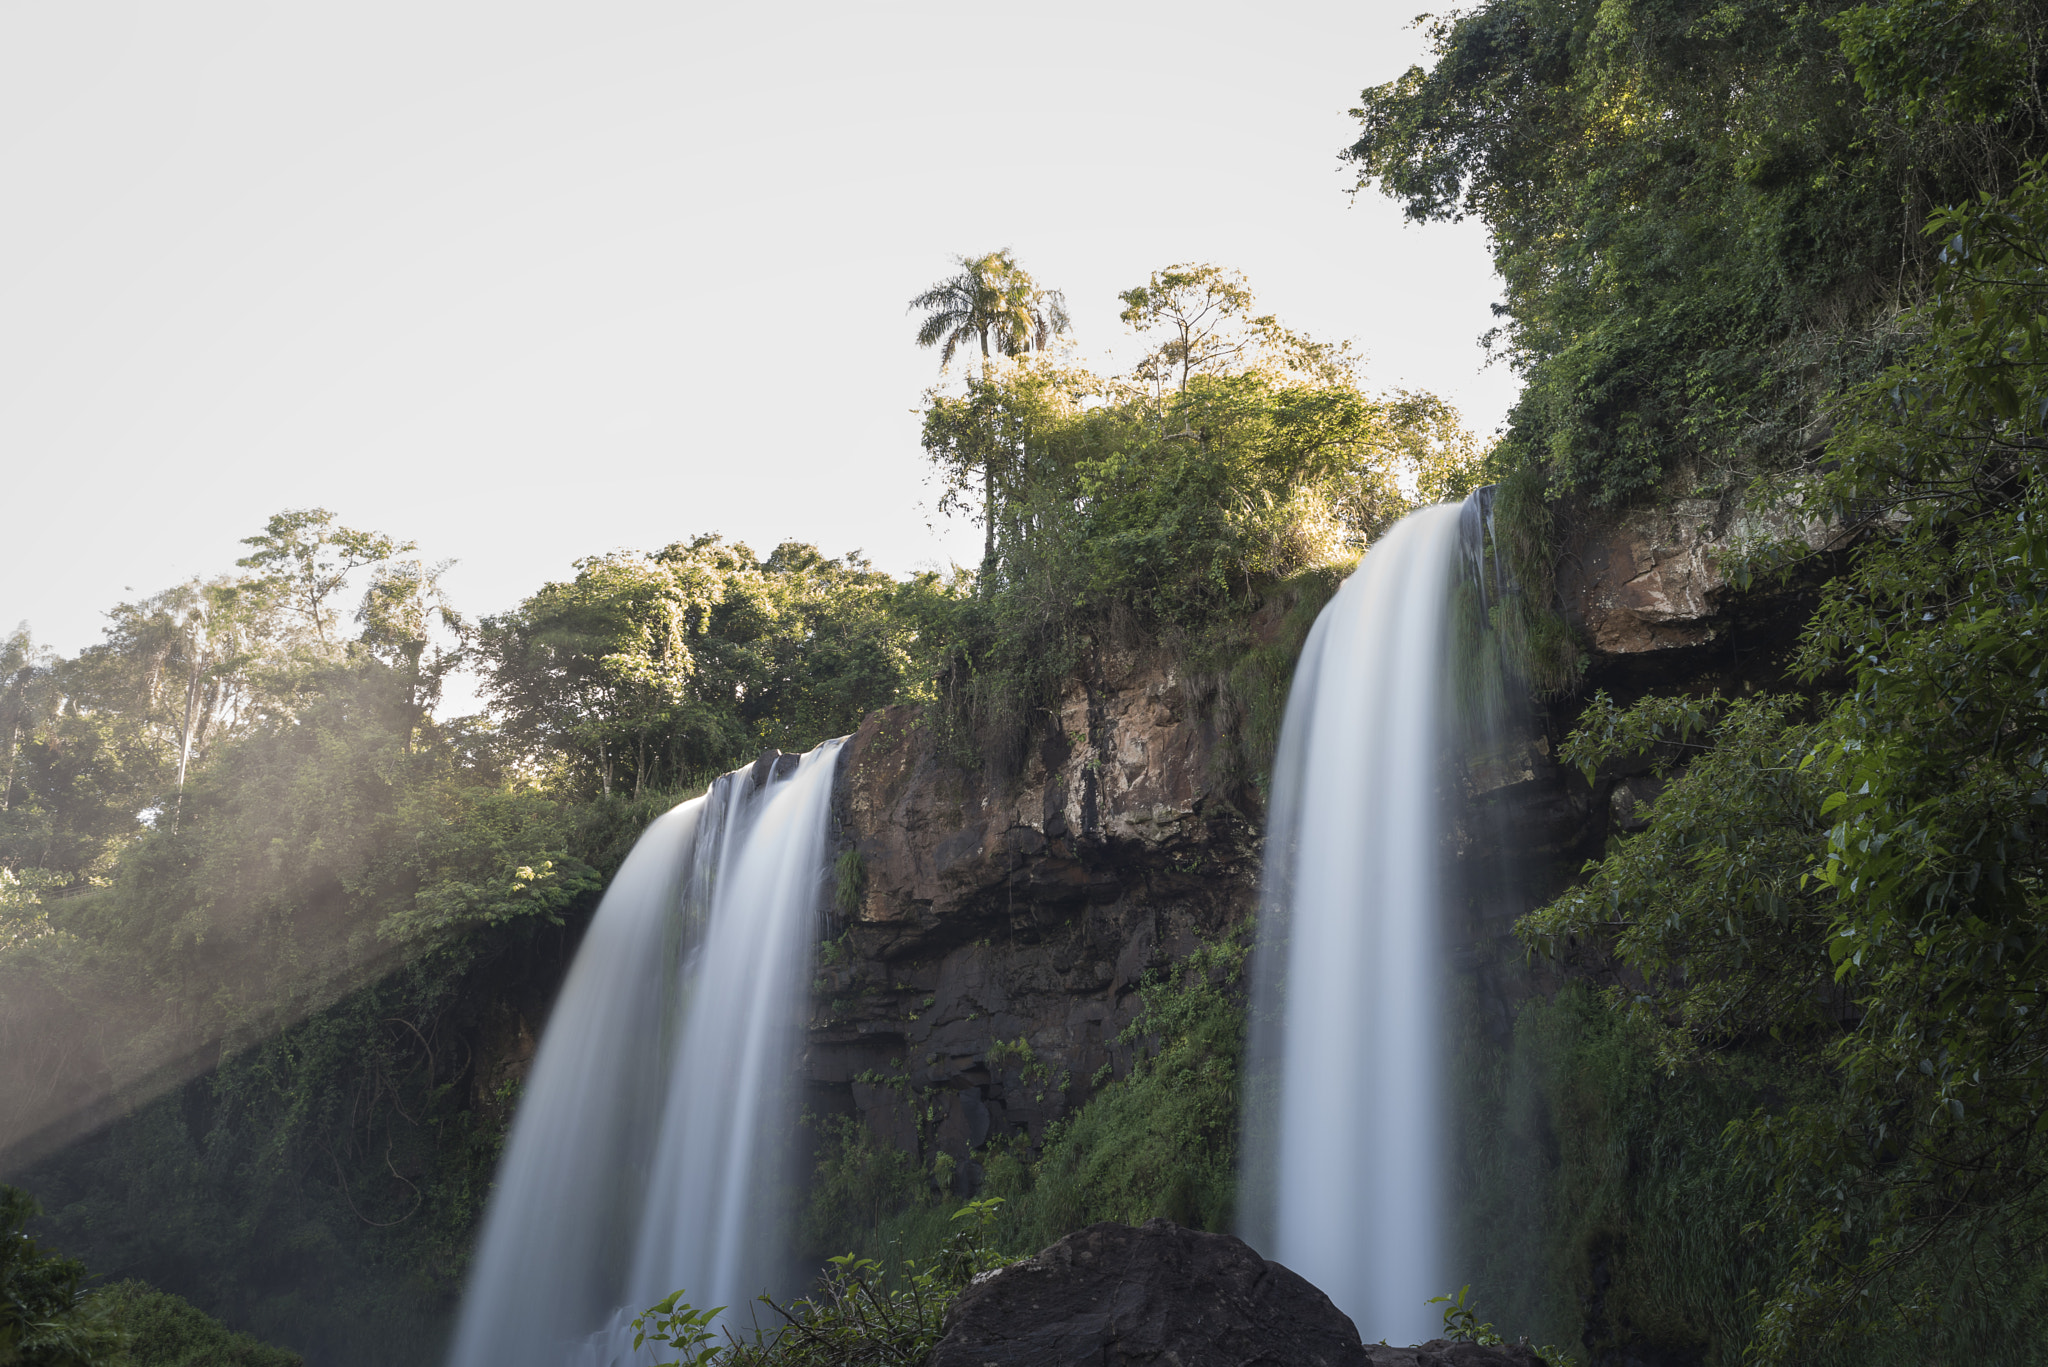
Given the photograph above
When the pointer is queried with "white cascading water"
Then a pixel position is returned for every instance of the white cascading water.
(1344, 1179)
(657, 1117)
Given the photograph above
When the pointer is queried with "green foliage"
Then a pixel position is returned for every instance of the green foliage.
(1162, 1140)
(1864, 881)
(45, 1319)
(1121, 505)
(1703, 215)
(1252, 676)
(163, 1330)
(1461, 1321)
(645, 671)
(681, 1326)
(304, 560)
(994, 302)
(858, 1315)
(849, 882)
(1596, 1207)
(858, 1183)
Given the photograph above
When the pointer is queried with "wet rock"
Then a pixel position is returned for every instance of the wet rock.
(1112, 1295)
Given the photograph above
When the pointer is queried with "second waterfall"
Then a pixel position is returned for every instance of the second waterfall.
(658, 1117)
(1344, 1179)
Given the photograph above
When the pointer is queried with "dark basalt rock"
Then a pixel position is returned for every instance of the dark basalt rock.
(1114, 1296)
(1445, 1353)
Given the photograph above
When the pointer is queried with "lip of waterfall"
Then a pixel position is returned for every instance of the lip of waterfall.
(1344, 1177)
(658, 1113)
(1479, 547)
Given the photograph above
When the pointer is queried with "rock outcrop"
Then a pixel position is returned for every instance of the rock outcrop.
(1659, 578)
(1114, 1296)
(1005, 922)
(1449, 1353)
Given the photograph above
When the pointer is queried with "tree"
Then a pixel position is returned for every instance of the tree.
(1202, 309)
(306, 558)
(24, 684)
(993, 302)
(400, 611)
(656, 669)
(596, 667)
(45, 1319)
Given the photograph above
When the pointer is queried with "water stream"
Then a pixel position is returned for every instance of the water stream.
(1344, 1179)
(654, 1130)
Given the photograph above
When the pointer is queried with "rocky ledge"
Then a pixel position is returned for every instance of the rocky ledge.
(1116, 1296)
(1660, 578)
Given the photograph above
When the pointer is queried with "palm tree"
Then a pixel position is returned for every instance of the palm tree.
(994, 302)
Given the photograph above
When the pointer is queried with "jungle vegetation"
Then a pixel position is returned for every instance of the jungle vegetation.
(1797, 256)
(1781, 254)
(249, 867)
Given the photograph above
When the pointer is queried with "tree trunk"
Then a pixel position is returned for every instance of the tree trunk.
(988, 516)
(13, 749)
(185, 740)
(988, 485)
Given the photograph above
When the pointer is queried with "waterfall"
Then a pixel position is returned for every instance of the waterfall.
(652, 1139)
(1345, 1135)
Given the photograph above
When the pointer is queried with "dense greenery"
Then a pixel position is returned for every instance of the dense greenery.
(1860, 878)
(46, 1320)
(1164, 502)
(328, 892)
(655, 670)
(50, 1318)
(1599, 1207)
(1704, 214)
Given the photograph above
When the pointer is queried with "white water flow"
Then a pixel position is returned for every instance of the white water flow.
(1344, 1175)
(655, 1127)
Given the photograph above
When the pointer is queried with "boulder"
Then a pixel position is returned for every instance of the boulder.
(1114, 1296)
(1446, 1353)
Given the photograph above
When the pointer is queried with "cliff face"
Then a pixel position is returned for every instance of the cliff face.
(1658, 582)
(1027, 909)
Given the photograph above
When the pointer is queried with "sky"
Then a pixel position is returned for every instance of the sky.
(525, 283)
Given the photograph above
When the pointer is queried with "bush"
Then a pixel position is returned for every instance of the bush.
(163, 1330)
(45, 1320)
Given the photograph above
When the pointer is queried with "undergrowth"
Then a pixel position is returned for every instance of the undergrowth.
(1602, 1207)
(1160, 1141)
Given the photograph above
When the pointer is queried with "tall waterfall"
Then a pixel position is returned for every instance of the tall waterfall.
(656, 1120)
(1344, 1176)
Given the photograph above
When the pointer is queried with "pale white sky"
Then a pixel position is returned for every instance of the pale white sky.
(530, 282)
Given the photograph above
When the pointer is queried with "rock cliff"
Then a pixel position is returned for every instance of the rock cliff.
(1003, 924)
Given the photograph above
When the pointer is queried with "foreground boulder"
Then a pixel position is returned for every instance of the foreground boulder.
(1446, 1353)
(1111, 1295)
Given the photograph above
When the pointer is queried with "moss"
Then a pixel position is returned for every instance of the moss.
(1247, 679)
